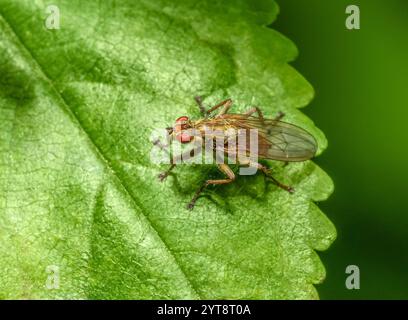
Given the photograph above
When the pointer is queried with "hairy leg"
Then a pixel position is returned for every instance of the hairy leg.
(226, 104)
(226, 170)
(199, 101)
(279, 116)
(178, 158)
(162, 176)
(267, 172)
(253, 110)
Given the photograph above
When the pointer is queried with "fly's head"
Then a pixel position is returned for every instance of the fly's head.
(182, 129)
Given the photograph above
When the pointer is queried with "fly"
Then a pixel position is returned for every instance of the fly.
(276, 140)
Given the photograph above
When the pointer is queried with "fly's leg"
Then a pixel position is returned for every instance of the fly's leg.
(279, 116)
(226, 104)
(267, 172)
(199, 100)
(160, 144)
(251, 111)
(177, 159)
(226, 170)
(162, 176)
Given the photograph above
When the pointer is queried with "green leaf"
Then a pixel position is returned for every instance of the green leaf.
(79, 197)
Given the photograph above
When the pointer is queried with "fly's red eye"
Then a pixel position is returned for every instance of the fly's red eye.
(181, 123)
(182, 119)
(183, 137)
(180, 130)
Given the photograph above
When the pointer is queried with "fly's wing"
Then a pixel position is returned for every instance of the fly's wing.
(279, 140)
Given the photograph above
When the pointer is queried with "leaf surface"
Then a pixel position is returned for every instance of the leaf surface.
(79, 197)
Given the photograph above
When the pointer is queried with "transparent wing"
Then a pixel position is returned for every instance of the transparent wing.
(278, 140)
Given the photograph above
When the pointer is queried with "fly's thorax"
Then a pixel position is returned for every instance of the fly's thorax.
(213, 130)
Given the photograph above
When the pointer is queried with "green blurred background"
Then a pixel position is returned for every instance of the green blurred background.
(361, 83)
